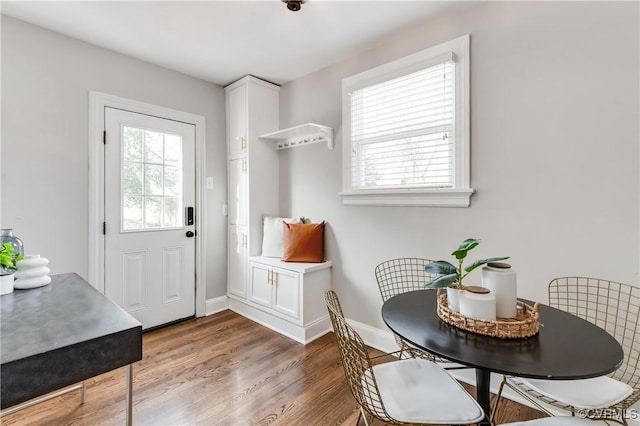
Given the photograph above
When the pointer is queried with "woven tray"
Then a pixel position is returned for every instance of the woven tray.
(525, 324)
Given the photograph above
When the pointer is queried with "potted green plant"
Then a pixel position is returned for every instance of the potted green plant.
(450, 276)
(8, 259)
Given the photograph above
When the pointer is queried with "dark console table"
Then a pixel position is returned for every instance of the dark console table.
(59, 335)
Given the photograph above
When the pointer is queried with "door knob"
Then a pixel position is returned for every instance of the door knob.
(190, 234)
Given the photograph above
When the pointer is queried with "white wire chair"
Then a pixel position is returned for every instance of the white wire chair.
(612, 306)
(399, 392)
(396, 276)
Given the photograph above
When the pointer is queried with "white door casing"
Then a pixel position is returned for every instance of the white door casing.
(98, 102)
(149, 240)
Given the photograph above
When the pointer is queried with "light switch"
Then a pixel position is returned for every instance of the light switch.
(225, 210)
(209, 183)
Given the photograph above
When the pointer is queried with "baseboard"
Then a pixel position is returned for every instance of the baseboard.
(299, 333)
(376, 338)
(215, 305)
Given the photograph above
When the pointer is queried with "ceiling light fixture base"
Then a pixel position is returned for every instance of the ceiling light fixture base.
(294, 5)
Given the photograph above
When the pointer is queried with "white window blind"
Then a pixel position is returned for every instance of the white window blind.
(402, 131)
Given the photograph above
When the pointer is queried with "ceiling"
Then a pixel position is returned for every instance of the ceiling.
(221, 41)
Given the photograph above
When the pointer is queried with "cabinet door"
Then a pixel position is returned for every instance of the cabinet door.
(260, 285)
(286, 298)
(238, 192)
(238, 256)
(237, 116)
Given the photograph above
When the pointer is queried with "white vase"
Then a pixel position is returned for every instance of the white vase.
(32, 272)
(500, 279)
(6, 284)
(453, 298)
(478, 303)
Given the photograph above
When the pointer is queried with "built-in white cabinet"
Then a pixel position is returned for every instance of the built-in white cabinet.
(237, 260)
(287, 297)
(237, 123)
(275, 288)
(252, 174)
(238, 191)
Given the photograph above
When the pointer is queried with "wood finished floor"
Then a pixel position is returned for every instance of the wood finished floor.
(221, 370)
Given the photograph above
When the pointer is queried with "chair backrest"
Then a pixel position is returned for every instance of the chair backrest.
(397, 276)
(612, 306)
(356, 361)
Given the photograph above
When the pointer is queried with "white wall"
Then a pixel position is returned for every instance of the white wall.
(555, 151)
(46, 78)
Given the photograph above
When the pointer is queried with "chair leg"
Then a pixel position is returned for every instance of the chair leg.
(527, 397)
(494, 409)
(403, 347)
(362, 415)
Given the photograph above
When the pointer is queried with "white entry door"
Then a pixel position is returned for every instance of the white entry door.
(149, 216)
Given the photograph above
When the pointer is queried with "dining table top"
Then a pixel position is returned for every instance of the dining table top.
(566, 347)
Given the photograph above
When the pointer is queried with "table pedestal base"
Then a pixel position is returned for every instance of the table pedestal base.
(483, 395)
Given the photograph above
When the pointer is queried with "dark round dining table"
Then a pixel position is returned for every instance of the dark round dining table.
(566, 348)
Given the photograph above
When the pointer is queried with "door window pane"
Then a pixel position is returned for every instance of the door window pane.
(153, 147)
(151, 179)
(132, 212)
(172, 181)
(132, 176)
(173, 149)
(133, 142)
(171, 217)
(152, 212)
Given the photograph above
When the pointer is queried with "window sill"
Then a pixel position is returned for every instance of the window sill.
(407, 198)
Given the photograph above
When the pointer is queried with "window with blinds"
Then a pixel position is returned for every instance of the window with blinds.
(402, 131)
(405, 130)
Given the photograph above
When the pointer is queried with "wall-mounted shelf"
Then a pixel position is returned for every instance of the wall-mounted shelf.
(304, 134)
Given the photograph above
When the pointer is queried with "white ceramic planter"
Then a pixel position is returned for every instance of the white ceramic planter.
(478, 305)
(6, 284)
(453, 298)
(500, 279)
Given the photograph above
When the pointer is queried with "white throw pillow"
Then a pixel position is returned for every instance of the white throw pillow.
(273, 235)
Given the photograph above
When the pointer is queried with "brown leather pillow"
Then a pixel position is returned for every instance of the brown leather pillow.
(303, 242)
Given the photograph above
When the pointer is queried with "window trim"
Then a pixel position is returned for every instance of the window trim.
(460, 194)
